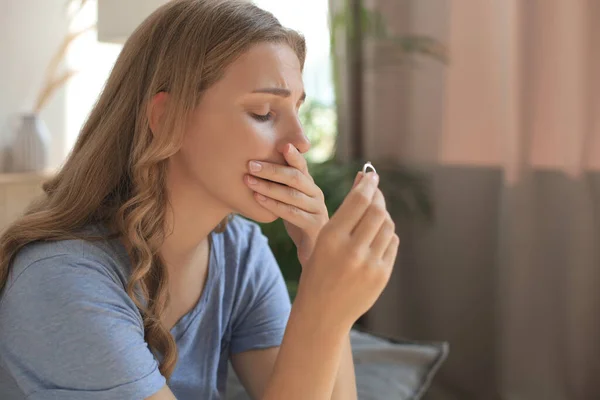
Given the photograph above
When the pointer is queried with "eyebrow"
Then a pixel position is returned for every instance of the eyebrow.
(279, 92)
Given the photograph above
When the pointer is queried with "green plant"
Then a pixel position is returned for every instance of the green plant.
(319, 122)
(366, 24)
(407, 191)
(372, 26)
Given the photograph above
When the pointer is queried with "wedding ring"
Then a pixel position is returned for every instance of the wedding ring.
(368, 165)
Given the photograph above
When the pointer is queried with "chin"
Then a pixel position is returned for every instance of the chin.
(264, 219)
(258, 213)
(263, 216)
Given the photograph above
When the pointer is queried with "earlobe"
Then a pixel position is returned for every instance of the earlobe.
(156, 111)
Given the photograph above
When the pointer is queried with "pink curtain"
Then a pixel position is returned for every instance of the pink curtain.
(509, 132)
(523, 85)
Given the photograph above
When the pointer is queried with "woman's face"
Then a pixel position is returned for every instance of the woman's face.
(250, 114)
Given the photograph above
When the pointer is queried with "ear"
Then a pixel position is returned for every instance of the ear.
(156, 111)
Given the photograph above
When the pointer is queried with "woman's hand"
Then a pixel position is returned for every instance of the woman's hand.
(291, 193)
(353, 258)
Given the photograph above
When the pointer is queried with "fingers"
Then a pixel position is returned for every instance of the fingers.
(389, 257)
(356, 203)
(371, 221)
(383, 239)
(286, 175)
(283, 193)
(295, 159)
(368, 228)
(288, 212)
(357, 179)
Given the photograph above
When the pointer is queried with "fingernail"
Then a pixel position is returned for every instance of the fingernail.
(375, 176)
(290, 148)
(255, 166)
(252, 180)
(260, 197)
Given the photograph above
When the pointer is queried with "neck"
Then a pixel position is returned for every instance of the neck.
(193, 214)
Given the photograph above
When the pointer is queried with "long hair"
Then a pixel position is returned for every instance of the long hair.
(115, 174)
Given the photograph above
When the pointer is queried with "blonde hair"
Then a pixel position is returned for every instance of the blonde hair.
(116, 173)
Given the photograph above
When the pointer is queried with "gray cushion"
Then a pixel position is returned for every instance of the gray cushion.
(385, 369)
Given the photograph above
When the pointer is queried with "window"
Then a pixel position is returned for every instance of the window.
(94, 61)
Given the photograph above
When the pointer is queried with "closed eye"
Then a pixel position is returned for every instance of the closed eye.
(262, 118)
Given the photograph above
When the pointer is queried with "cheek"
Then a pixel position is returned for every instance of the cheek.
(259, 138)
(243, 138)
(219, 139)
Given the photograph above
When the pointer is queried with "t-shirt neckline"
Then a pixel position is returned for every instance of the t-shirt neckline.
(184, 322)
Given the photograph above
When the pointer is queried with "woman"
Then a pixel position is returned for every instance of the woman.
(129, 279)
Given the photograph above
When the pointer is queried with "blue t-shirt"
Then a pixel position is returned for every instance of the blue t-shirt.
(69, 331)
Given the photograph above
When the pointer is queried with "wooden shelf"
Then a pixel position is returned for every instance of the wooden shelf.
(17, 190)
(25, 177)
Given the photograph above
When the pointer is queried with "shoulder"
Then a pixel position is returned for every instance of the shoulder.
(74, 259)
(65, 301)
(75, 283)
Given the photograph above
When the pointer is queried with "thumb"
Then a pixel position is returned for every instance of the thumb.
(357, 179)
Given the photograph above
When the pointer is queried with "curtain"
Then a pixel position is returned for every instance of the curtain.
(509, 133)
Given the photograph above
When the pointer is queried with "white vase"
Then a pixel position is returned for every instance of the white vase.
(29, 150)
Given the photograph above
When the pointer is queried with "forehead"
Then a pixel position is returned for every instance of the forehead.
(265, 65)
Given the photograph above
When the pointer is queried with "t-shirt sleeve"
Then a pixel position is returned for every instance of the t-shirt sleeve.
(68, 330)
(263, 303)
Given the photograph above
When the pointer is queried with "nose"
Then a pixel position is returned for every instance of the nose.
(295, 135)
